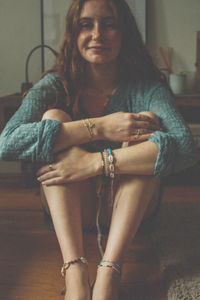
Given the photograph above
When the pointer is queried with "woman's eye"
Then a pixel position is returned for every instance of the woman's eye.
(111, 25)
(85, 25)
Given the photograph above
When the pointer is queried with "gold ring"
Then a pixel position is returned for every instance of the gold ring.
(50, 167)
(138, 132)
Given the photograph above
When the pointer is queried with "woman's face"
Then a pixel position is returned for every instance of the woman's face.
(99, 38)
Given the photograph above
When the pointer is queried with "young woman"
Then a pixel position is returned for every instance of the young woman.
(84, 121)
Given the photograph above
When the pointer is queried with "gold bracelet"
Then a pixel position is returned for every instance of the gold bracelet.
(89, 127)
(103, 163)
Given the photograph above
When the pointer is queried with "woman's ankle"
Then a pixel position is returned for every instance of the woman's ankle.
(77, 272)
(107, 284)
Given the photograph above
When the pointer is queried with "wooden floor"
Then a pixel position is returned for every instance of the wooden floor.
(30, 259)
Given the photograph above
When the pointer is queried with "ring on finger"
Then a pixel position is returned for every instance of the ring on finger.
(50, 167)
(138, 132)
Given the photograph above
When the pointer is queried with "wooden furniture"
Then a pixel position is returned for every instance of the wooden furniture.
(187, 103)
(188, 100)
(189, 106)
(8, 105)
(197, 83)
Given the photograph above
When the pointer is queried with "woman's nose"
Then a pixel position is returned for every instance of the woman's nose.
(97, 31)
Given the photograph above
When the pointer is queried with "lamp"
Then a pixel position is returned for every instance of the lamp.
(27, 84)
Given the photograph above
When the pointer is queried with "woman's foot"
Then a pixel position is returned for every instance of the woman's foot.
(107, 284)
(77, 283)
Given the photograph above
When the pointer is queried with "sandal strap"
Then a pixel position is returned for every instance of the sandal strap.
(67, 264)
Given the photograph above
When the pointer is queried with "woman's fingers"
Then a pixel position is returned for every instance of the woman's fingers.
(141, 131)
(143, 117)
(45, 169)
(50, 178)
(140, 138)
(145, 124)
(53, 181)
(48, 175)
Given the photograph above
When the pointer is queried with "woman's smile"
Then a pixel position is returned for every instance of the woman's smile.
(99, 39)
(98, 49)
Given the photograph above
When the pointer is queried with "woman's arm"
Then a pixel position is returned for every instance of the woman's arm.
(116, 127)
(77, 164)
(177, 150)
(166, 151)
(137, 159)
(27, 137)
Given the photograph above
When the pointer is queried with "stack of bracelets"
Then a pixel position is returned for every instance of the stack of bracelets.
(109, 169)
(108, 163)
(107, 157)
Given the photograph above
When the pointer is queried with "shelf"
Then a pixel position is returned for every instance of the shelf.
(188, 100)
(8, 105)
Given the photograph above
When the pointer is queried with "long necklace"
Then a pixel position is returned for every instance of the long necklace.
(109, 97)
(106, 98)
(91, 93)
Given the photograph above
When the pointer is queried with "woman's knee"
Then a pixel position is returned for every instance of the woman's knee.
(147, 187)
(130, 180)
(76, 193)
(56, 114)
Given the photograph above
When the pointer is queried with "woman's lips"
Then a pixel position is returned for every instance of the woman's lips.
(98, 48)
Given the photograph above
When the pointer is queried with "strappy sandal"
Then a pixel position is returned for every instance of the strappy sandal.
(66, 265)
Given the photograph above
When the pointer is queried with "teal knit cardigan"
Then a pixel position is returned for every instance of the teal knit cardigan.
(26, 137)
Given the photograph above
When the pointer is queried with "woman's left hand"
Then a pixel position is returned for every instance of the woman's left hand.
(75, 164)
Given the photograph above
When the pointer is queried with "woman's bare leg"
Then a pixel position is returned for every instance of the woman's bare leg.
(134, 195)
(65, 203)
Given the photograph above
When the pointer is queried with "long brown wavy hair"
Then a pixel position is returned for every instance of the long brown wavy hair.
(134, 60)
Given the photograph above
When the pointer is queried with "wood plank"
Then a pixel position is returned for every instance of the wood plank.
(30, 258)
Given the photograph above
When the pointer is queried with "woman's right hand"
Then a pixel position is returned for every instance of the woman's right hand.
(127, 127)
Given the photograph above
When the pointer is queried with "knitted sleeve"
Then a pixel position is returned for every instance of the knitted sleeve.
(177, 149)
(25, 136)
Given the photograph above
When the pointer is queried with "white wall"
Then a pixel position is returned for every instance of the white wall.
(170, 23)
(174, 23)
(19, 33)
(54, 22)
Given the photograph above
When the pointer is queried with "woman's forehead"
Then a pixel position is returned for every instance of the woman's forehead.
(98, 9)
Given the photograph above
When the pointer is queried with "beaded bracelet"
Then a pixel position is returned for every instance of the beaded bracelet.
(111, 264)
(109, 168)
(106, 162)
(67, 264)
(111, 163)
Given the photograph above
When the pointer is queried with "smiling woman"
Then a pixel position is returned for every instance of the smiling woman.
(99, 39)
(104, 125)
(54, 16)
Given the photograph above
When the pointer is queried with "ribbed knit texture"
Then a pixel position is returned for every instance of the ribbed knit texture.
(26, 137)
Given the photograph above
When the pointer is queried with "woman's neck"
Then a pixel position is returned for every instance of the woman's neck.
(102, 77)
